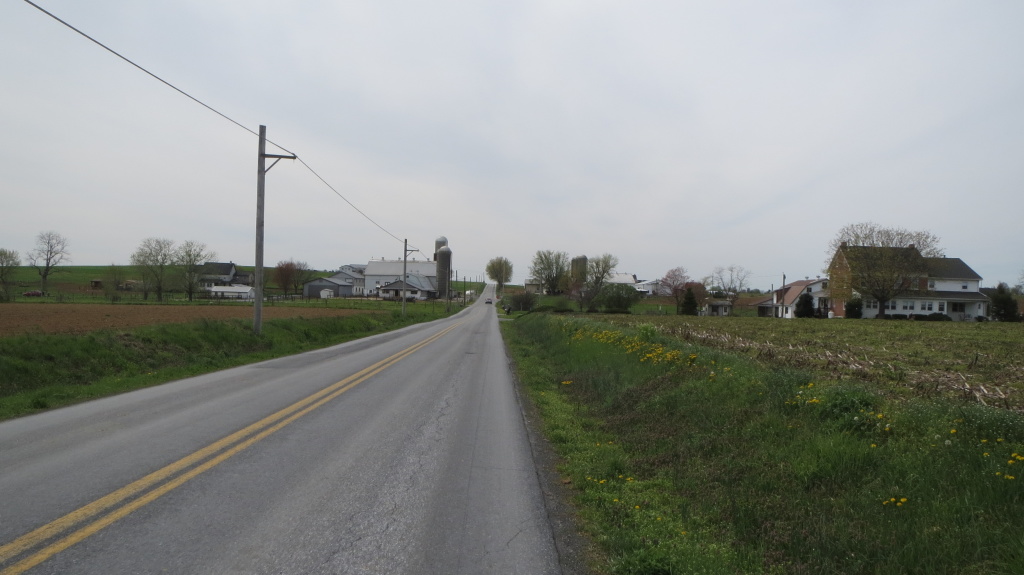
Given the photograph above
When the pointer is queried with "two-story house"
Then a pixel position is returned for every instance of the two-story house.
(902, 281)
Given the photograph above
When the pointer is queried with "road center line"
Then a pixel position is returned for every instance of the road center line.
(229, 445)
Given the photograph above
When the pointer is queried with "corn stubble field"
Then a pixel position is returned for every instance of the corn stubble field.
(757, 445)
(979, 361)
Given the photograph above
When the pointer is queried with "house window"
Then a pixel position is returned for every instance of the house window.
(871, 304)
(808, 289)
(890, 305)
(942, 306)
(927, 306)
(964, 286)
(957, 307)
(931, 284)
(908, 305)
(824, 285)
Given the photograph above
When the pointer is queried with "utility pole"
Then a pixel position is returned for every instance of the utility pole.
(405, 273)
(261, 177)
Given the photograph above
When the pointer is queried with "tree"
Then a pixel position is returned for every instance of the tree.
(499, 270)
(619, 298)
(9, 262)
(51, 250)
(291, 275)
(879, 263)
(577, 279)
(804, 305)
(731, 281)
(1004, 305)
(524, 301)
(154, 257)
(599, 271)
(112, 281)
(284, 275)
(689, 305)
(875, 235)
(189, 259)
(675, 281)
(550, 268)
(854, 309)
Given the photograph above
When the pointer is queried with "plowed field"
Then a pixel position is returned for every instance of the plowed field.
(22, 318)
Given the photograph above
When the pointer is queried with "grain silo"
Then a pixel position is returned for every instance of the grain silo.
(444, 271)
(438, 244)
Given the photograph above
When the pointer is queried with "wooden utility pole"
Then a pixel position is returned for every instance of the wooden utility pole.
(261, 177)
(405, 272)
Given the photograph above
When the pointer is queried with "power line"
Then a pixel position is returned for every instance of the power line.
(215, 111)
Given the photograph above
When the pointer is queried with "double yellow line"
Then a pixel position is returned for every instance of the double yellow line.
(171, 477)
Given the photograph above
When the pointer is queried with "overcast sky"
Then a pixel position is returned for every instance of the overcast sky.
(694, 134)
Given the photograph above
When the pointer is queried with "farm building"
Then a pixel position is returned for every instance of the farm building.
(417, 287)
(232, 292)
(338, 285)
(782, 303)
(925, 285)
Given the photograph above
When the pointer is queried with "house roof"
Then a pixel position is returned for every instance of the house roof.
(347, 276)
(954, 295)
(620, 278)
(217, 269)
(866, 255)
(394, 268)
(333, 279)
(231, 289)
(791, 291)
(416, 282)
(950, 268)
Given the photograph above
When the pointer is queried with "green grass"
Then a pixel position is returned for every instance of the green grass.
(40, 372)
(689, 459)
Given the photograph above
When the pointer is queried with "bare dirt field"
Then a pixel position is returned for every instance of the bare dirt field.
(25, 318)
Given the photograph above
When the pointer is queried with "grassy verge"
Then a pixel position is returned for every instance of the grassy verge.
(40, 372)
(688, 459)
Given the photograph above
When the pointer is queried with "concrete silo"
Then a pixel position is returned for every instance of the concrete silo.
(438, 244)
(444, 270)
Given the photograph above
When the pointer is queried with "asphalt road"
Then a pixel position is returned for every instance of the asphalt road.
(335, 461)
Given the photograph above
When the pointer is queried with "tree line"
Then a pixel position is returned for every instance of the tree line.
(162, 264)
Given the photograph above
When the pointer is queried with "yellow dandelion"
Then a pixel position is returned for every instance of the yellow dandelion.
(903, 499)
(952, 431)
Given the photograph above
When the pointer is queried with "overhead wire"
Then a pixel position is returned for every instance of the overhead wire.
(215, 111)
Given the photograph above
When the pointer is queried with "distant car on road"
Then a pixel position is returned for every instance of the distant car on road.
(33, 293)
(488, 300)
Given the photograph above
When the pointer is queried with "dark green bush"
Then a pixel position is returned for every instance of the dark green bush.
(854, 308)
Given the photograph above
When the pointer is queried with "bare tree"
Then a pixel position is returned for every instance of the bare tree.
(499, 270)
(599, 270)
(675, 281)
(189, 259)
(731, 281)
(112, 281)
(154, 258)
(875, 235)
(51, 250)
(9, 263)
(291, 275)
(550, 268)
(284, 275)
